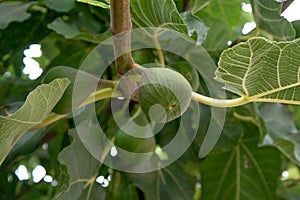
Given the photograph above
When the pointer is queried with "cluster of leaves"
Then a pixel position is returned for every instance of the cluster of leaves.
(258, 142)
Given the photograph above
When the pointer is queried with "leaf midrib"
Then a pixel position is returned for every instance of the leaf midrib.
(227, 166)
(254, 97)
(258, 169)
(176, 182)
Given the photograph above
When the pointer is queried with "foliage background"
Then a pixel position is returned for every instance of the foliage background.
(258, 143)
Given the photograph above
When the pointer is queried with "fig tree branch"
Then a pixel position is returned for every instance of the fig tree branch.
(286, 4)
(120, 26)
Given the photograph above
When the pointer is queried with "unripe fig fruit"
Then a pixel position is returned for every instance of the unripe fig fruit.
(142, 56)
(84, 81)
(134, 144)
(164, 94)
(186, 70)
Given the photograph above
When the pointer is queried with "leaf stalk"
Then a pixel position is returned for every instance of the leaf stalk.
(221, 103)
(95, 96)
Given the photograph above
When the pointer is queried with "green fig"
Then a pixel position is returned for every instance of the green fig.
(164, 94)
(186, 70)
(134, 144)
(84, 83)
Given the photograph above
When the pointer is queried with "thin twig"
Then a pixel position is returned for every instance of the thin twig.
(286, 4)
(6, 112)
(106, 84)
(186, 5)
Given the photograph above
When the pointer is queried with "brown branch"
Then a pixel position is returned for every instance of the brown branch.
(285, 5)
(120, 27)
(186, 5)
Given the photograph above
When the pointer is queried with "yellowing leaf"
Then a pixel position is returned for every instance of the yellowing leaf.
(261, 70)
(38, 105)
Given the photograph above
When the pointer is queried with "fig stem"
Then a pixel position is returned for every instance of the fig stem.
(222, 103)
(95, 96)
(106, 84)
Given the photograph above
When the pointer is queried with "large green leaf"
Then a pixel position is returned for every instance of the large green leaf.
(167, 183)
(261, 70)
(72, 30)
(267, 18)
(199, 4)
(121, 187)
(72, 53)
(217, 37)
(186, 70)
(282, 131)
(33, 30)
(82, 170)
(296, 115)
(13, 11)
(18, 36)
(224, 10)
(63, 28)
(225, 20)
(60, 5)
(14, 91)
(245, 172)
(296, 25)
(37, 107)
(83, 79)
(157, 13)
(25, 145)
